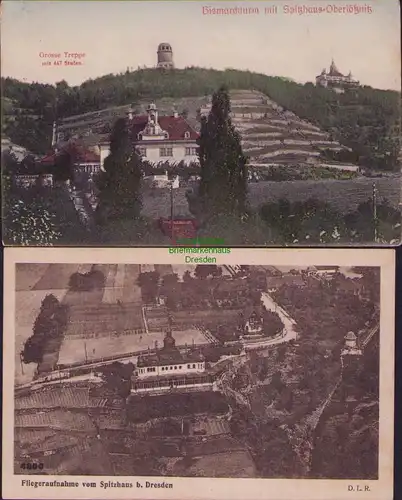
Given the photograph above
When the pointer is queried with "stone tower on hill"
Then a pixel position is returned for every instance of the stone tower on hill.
(165, 56)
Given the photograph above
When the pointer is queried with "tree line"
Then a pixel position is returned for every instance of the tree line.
(366, 119)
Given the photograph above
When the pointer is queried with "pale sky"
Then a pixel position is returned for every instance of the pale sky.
(115, 35)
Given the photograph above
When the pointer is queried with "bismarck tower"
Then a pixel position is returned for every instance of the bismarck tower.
(165, 56)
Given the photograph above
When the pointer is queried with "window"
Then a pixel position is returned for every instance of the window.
(188, 366)
(180, 367)
(142, 152)
(191, 151)
(175, 367)
(163, 368)
(187, 135)
(166, 152)
(193, 365)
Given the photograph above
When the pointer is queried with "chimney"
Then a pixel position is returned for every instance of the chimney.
(175, 114)
(130, 114)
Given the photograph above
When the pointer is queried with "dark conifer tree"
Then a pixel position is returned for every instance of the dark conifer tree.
(120, 183)
(64, 166)
(223, 186)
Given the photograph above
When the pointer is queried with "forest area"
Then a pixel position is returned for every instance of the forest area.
(366, 120)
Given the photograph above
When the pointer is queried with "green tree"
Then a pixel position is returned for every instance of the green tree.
(223, 185)
(64, 166)
(120, 183)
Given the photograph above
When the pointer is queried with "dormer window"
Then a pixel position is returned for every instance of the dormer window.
(187, 135)
(139, 136)
(166, 135)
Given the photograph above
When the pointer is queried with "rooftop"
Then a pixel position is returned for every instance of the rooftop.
(79, 153)
(175, 126)
(333, 70)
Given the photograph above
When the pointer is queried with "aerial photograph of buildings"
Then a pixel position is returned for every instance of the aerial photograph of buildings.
(231, 371)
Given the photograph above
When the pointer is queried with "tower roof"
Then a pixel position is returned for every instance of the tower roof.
(333, 70)
(350, 336)
(164, 46)
(169, 342)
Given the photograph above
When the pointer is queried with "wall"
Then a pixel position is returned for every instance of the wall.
(153, 152)
(27, 181)
(178, 152)
(349, 168)
(88, 168)
(104, 152)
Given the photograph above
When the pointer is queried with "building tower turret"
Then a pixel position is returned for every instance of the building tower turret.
(351, 346)
(165, 56)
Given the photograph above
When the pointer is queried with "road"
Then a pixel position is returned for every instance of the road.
(289, 332)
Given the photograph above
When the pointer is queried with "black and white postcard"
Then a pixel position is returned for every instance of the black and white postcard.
(251, 374)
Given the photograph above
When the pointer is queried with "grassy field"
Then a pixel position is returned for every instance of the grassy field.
(121, 284)
(115, 307)
(57, 276)
(33, 283)
(197, 316)
(87, 320)
(156, 319)
(343, 195)
(184, 319)
(27, 275)
(93, 349)
(131, 291)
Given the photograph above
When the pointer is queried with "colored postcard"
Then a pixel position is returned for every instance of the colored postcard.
(146, 123)
(262, 374)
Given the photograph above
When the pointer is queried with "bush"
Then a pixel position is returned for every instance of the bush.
(94, 279)
(148, 407)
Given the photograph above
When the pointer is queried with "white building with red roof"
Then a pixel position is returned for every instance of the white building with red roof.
(160, 139)
(335, 80)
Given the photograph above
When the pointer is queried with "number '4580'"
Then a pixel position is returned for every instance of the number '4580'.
(31, 466)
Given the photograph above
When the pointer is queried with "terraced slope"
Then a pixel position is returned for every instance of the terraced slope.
(272, 135)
